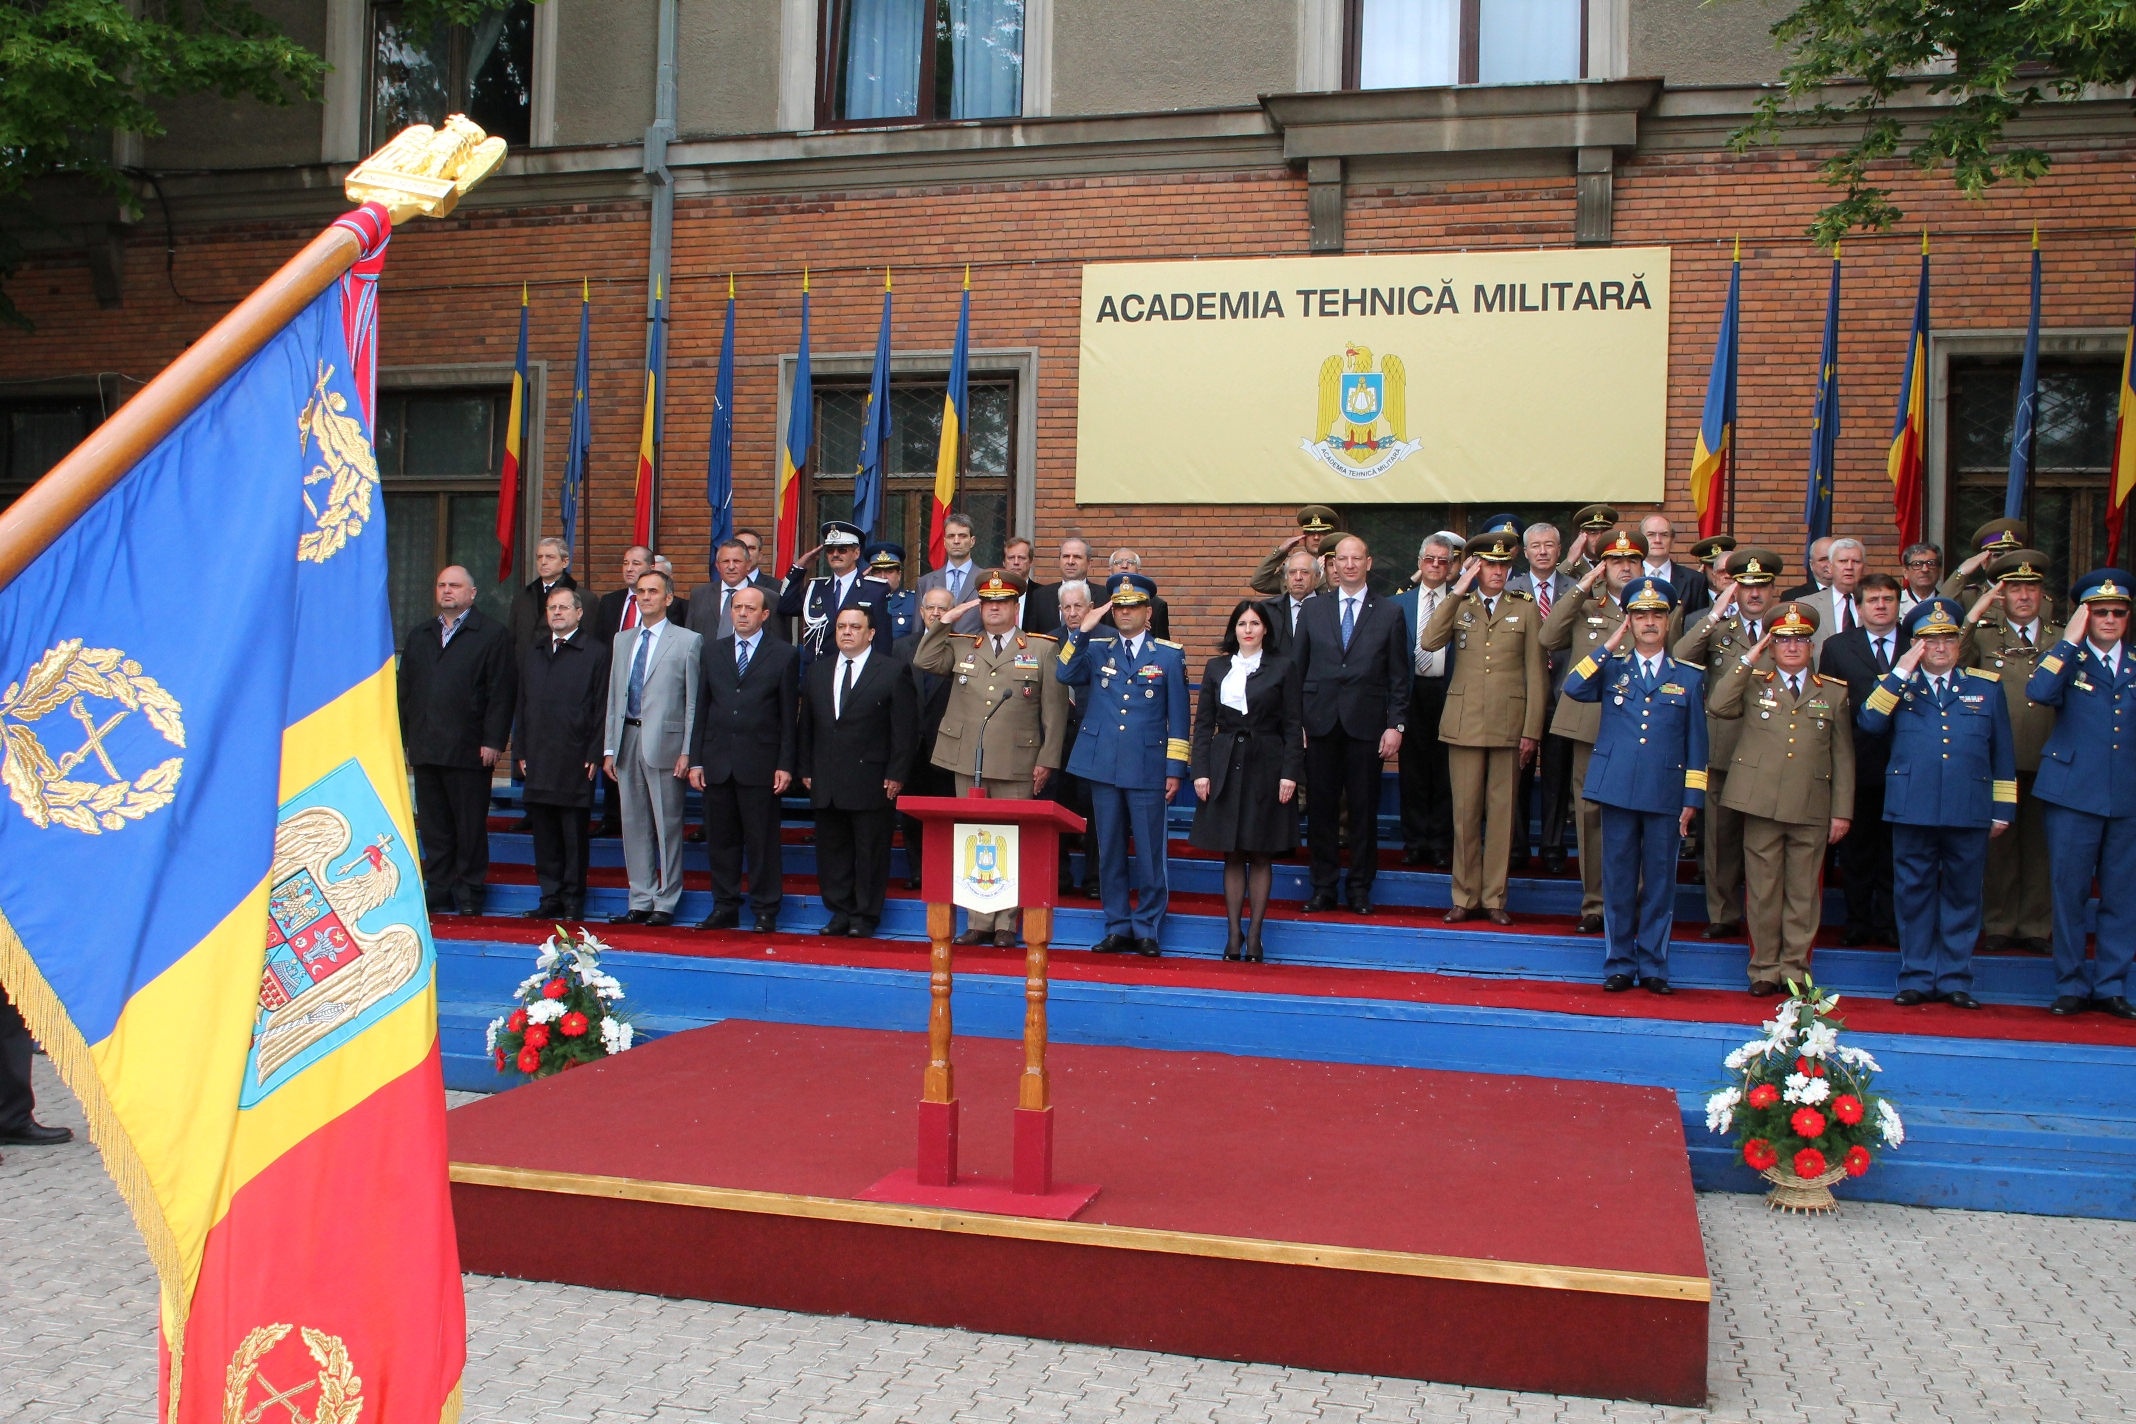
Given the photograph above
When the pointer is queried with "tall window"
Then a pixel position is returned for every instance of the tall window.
(886, 61)
(915, 435)
(36, 434)
(2073, 450)
(1402, 44)
(484, 70)
(438, 454)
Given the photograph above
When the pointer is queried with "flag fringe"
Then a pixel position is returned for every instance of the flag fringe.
(449, 1413)
(52, 1027)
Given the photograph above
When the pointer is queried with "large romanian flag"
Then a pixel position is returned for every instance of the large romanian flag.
(2122, 478)
(793, 455)
(1713, 455)
(210, 907)
(1908, 456)
(949, 455)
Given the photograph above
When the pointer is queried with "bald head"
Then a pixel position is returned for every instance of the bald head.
(456, 591)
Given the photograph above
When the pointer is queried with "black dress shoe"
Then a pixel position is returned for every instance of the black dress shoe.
(1004, 939)
(1498, 917)
(1995, 944)
(1589, 924)
(972, 937)
(574, 910)
(1516, 864)
(608, 828)
(1722, 929)
(1960, 999)
(1147, 948)
(837, 925)
(2116, 1005)
(862, 929)
(1852, 937)
(1321, 901)
(1553, 862)
(1617, 983)
(1439, 859)
(1360, 904)
(543, 911)
(1114, 944)
(1764, 989)
(660, 918)
(1907, 998)
(1412, 857)
(695, 835)
(766, 924)
(631, 917)
(1656, 986)
(721, 920)
(2068, 1005)
(1461, 912)
(36, 1134)
(2035, 946)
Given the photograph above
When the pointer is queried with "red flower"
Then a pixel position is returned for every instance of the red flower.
(1856, 1161)
(1809, 1068)
(517, 1023)
(574, 1023)
(1759, 1154)
(538, 1037)
(1807, 1122)
(1847, 1108)
(1809, 1162)
(555, 989)
(1763, 1096)
(500, 1060)
(529, 1060)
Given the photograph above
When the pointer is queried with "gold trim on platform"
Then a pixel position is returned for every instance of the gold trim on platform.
(1072, 1233)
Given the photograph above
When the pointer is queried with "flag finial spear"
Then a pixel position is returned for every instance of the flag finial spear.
(1739, 247)
(585, 289)
(1924, 240)
(522, 293)
(804, 281)
(886, 279)
(2035, 235)
(967, 276)
(730, 286)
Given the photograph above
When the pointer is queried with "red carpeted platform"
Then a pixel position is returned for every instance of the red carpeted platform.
(1517, 1233)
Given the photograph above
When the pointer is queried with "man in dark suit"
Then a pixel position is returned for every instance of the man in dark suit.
(456, 685)
(742, 756)
(530, 606)
(1352, 656)
(1301, 579)
(1127, 561)
(1860, 656)
(932, 692)
(1693, 593)
(556, 739)
(1552, 762)
(737, 570)
(859, 727)
(1426, 782)
(18, 1096)
(1042, 602)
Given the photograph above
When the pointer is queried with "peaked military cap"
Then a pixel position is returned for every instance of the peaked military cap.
(1596, 519)
(1130, 589)
(2019, 566)
(1793, 620)
(1649, 595)
(2102, 584)
(886, 556)
(1932, 616)
(1501, 524)
(1317, 519)
(998, 584)
(1496, 546)
(837, 533)
(1623, 544)
(2000, 535)
(1711, 551)
(1752, 567)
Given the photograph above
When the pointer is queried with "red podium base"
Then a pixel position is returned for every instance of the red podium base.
(1033, 1149)
(938, 1145)
(989, 1194)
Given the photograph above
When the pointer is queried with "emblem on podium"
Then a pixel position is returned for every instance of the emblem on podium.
(986, 866)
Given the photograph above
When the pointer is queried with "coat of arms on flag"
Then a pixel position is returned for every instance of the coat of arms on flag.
(1363, 425)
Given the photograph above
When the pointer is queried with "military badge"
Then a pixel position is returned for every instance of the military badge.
(335, 1390)
(1362, 424)
(47, 788)
(346, 467)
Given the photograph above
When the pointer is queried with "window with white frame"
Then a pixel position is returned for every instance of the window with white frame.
(1402, 44)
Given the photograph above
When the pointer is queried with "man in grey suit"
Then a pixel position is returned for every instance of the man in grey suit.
(1837, 603)
(958, 573)
(652, 705)
(1552, 765)
(737, 570)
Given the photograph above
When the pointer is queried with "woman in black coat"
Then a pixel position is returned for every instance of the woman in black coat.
(1248, 758)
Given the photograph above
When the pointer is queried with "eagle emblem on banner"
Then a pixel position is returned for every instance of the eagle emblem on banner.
(1363, 425)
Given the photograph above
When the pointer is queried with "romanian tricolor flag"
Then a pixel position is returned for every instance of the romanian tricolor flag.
(793, 455)
(1712, 459)
(949, 458)
(211, 911)
(1909, 426)
(649, 432)
(515, 440)
(2123, 477)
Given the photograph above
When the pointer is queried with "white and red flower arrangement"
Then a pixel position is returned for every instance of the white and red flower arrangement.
(565, 1015)
(1801, 1106)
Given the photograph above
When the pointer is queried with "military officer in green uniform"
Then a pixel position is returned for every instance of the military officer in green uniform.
(1991, 541)
(2006, 632)
(1315, 523)
(1592, 526)
(1791, 779)
(1582, 621)
(1006, 723)
(1493, 720)
(1711, 551)
(1714, 640)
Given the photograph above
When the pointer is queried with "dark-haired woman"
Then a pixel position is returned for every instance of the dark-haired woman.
(1248, 757)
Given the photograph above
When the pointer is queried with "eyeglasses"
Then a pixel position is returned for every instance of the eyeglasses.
(1924, 563)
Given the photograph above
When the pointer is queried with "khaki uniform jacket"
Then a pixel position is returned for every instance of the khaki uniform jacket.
(1581, 622)
(1717, 643)
(1994, 646)
(1030, 731)
(1500, 688)
(1794, 758)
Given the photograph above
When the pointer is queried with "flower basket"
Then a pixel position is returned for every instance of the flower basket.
(1801, 1104)
(566, 1015)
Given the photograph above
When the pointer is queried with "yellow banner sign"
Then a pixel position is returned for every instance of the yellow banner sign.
(1521, 377)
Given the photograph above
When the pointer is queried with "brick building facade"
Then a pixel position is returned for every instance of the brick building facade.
(1026, 201)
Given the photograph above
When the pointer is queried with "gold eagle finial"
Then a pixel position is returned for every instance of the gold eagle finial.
(425, 171)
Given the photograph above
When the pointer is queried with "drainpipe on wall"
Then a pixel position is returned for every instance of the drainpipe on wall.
(658, 135)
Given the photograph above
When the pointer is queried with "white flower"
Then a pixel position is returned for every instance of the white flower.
(490, 1039)
(1820, 1040)
(1802, 1088)
(616, 1035)
(1855, 1058)
(530, 984)
(551, 952)
(1887, 1120)
(591, 941)
(1779, 1030)
(545, 1011)
(1720, 1109)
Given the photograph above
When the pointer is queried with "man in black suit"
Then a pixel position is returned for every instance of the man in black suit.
(1127, 561)
(18, 1095)
(932, 692)
(1042, 601)
(1351, 650)
(530, 606)
(1861, 655)
(737, 570)
(456, 685)
(859, 728)
(742, 756)
(1301, 577)
(556, 739)
(1693, 593)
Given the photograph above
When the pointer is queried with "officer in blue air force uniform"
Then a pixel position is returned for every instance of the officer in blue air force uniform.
(1648, 774)
(1950, 786)
(2087, 779)
(901, 606)
(1132, 752)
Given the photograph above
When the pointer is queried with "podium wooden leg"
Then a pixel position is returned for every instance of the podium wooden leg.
(1033, 1143)
(938, 1087)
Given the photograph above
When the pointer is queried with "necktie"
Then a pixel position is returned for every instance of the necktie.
(634, 707)
(2025, 634)
(997, 644)
(726, 610)
(1846, 614)
(741, 660)
(1753, 631)
(1297, 607)
(1427, 660)
(1646, 671)
(845, 694)
(1542, 597)
(956, 583)
(630, 611)
(1883, 655)
(1349, 620)
(1794, 685)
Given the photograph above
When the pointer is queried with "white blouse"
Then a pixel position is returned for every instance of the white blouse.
(1233, 691)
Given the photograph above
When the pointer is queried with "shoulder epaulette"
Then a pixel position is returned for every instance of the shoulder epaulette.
(1695, 667)
(1518, 593)
(1755, 671)
(1984, 673)
(1168, 643)
(1820, 679)
(1044, 637)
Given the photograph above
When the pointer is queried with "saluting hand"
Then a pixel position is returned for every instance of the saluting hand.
(804, 560)
(949, 619)
(1469, 566)
(1594, 572)
(1096, 615)
(1974, 563)
(1909, 660)
(1579, 547)
(1723, 595)
(1987, 600)
(1759, 651)
(1616, 637)
(2073, 630)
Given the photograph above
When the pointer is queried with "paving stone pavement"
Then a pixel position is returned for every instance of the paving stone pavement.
(1885, 1314)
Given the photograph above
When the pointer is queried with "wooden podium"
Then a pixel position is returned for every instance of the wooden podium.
(978, 849)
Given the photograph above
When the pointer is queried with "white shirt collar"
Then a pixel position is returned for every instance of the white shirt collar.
(749, 642)
(2110, 656)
